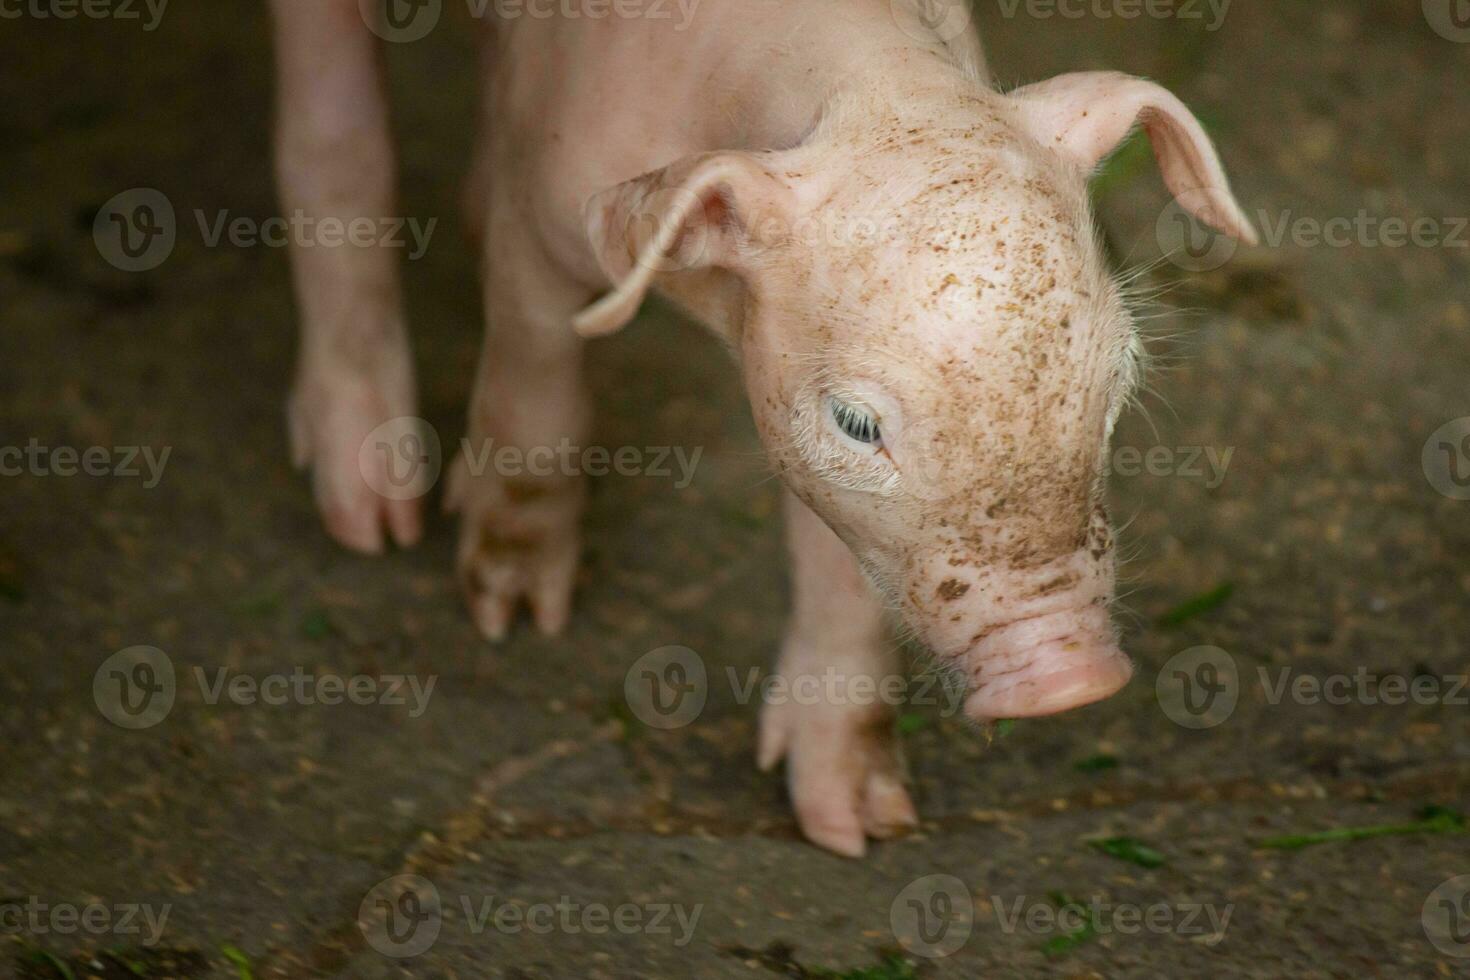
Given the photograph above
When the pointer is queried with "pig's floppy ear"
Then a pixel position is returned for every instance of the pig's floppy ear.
(1083, 116)
(698, 213)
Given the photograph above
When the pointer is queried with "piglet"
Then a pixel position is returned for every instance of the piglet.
(901, 258)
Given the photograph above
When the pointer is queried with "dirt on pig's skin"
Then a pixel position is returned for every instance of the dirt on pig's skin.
(264, 828)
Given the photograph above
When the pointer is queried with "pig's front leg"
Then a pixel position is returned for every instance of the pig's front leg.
(518, 480)
(334, 159)
(829, 718)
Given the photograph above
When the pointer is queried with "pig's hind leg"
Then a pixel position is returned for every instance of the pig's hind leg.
(334, 159)
(834, 723)
(518, 480)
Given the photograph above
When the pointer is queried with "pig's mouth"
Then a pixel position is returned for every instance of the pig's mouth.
(1045, 664)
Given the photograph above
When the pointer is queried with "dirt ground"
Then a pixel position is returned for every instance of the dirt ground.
(555, 834)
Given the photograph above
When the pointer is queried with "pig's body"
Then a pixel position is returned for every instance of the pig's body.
(900, 257)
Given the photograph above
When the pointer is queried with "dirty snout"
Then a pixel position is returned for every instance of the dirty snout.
(1045, 664)
(1033, 641)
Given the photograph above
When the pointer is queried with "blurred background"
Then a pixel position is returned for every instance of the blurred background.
(1295, 500)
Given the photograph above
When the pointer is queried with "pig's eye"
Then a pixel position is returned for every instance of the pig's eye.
(855, 423)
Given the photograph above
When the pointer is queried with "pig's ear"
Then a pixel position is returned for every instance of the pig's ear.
(1085, 115)
(712, 210)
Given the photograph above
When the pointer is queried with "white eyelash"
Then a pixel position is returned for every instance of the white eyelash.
(855, 423)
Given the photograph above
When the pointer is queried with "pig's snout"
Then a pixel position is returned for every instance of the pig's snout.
(1045, 664)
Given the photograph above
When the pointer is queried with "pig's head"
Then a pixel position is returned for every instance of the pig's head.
(933, 348)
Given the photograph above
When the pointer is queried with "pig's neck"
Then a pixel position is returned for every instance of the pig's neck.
(827, 108)
(781, 108)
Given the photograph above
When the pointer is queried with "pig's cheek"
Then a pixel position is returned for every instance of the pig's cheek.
(778, 437)
(773, 425)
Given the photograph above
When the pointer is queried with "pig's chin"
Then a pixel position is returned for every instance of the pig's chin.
(1044, 664)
